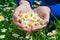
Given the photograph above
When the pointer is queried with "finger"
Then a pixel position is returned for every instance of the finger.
(36, 28)
(21, 27)
(44, 22)
(16, 13)
(17, 24)
(16, 18)
(45, 19)
(28, 29)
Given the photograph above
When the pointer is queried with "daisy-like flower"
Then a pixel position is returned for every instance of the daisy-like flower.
(3, 30)
(21, 38)
(25, 23)
(50, 34)
(53, 37)
(1, 18)
(2, 36)
(30, 19)
(54, 31)
(15, 35)
(12, 10)
(34, 19)
(25, 16)
(30, 24)
(27, 37)
(8, 8)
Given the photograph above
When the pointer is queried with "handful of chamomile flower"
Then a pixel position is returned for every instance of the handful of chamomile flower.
(30, 19)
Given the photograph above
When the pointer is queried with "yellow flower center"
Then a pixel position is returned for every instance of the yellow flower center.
(0, 17)
(26, 16)
(30, 24)
(35, 24)
(34, 19)
(50, 34)
(31, 14)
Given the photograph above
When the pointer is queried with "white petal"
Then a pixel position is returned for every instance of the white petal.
(15, 35)
(2, 36)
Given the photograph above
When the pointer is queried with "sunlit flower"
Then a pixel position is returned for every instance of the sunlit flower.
(34, 19)
(8, 8)
(53, 37)
(30, 24)
(25, 16)
(2, 36)
(12, 10)
(50, 34)
(3, 30)
(30, 19)
(27, 37)
(21, 38)
(1, 18)
(15, 35)
(54, 31)
(34, 5)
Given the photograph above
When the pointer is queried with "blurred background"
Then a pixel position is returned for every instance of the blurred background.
(8, 30)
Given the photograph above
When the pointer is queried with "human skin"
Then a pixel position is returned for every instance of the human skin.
(44, 13)
(22, 8)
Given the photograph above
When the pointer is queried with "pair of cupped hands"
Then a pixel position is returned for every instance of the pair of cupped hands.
(23, 7)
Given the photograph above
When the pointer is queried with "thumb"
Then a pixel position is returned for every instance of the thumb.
(44, 22)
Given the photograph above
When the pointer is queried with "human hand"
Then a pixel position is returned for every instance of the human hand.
(22, 8)
(44, 13)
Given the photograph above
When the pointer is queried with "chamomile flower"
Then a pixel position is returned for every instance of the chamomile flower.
(3, 30)
(15, 35)
(50, 34)
(30, 24)
(27, 37)
(8, 8)
(24, 23)
(54, 31)
(2, 36)
(30, 19)
(34, 19)
(26, 16)
(1, 18)
(21, 38)
(36, 23)
(31, 14)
